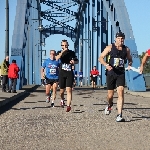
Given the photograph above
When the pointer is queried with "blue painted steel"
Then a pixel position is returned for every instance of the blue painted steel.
(18, 43)
(89, 43)
(104, 38)
(98, 35)
(24, 40)
(135, 81)
(85, 51)
(94, 39)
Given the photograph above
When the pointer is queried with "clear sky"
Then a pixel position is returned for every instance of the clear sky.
(139, 15)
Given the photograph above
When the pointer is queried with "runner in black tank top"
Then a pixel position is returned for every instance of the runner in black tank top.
(115, 71)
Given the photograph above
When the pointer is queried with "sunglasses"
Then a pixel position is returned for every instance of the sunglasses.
(64, 45)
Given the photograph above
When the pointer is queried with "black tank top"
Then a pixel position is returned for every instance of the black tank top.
(117, 58)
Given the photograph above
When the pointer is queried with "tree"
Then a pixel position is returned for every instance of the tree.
(147, 64)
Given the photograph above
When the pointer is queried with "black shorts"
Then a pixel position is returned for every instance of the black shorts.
(66, 79)
(94, 79)
(115, 81)
(51, 81)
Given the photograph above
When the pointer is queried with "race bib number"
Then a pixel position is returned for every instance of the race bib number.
(66, 67)
(52, 71)
(118, 62)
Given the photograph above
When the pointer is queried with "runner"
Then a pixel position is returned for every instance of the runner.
(51, 65)
(75, 76)
(94, 73)
(80, 78)
(66, 77)
(115, 73)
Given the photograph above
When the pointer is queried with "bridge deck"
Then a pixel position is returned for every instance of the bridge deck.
(31, 123)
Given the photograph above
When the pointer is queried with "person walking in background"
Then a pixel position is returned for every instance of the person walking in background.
(80, 78)
(13, 76)
(4, 73)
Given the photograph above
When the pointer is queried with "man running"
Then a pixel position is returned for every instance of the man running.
(115, 75)
(66, 76)
(51, 65)
(144, 59)
(80, 78)
(94, 73)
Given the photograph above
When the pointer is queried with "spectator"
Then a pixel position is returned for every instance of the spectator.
(13, 75)
(80, 78)
(4, 74)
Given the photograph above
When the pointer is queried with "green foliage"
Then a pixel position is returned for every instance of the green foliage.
(147, 64)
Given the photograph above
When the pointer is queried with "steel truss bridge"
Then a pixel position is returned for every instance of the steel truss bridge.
(90, 35)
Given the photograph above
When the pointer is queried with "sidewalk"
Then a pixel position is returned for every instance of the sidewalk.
(8, 97)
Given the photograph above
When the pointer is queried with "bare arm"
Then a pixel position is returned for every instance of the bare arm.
(104, 54)
(42, 72)
(129, 57)
(144, 59)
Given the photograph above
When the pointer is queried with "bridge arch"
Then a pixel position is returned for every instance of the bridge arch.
(59, 30)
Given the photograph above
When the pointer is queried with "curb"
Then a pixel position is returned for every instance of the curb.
(25, 90)
(142, 94)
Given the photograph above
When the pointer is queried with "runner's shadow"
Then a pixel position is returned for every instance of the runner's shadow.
(20, 108)
(78, 111)
(30, 102)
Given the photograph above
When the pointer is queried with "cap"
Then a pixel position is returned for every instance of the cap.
(120, 34)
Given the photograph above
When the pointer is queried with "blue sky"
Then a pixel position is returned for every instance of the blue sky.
(139, 15)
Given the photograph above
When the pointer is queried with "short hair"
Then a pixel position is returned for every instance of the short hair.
(65, 42)
(13, 61)
(52, 50)
(120, 34)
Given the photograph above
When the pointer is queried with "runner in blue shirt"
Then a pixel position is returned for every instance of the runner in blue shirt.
(51, 66)
(81, 78)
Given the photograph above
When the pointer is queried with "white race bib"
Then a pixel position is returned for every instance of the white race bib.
(52, 71)
(80, 75)
(94, 75)
(66, 67)
(118, 62)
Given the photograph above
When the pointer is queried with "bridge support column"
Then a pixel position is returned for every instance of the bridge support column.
(85, 51)
(98, 36)
(104, 37)
(89, 42)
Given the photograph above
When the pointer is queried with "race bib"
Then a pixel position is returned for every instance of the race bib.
(80, 75)
(94, 75)
(52, 71)
(66, 67)
(118, 62)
